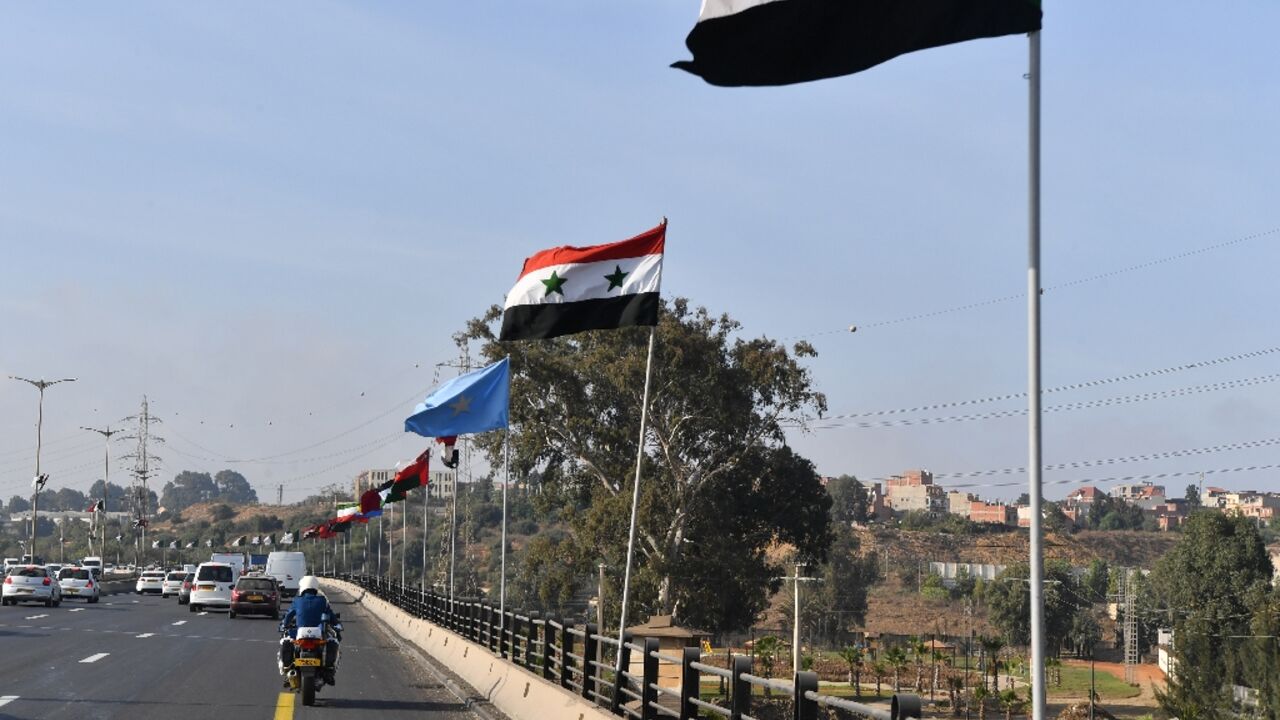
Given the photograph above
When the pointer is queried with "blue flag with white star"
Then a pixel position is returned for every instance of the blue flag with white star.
(470, 403)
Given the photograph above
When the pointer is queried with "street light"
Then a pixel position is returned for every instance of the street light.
(106, 478)
(37, 484)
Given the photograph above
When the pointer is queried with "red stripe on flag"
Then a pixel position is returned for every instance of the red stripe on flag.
(650, 242)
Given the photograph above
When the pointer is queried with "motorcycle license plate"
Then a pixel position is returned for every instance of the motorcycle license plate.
(306, 662)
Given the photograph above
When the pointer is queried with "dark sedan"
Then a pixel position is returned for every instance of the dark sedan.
(255, 595)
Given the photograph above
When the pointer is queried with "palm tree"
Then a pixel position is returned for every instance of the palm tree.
(940, 660)
(991, 647)
(854, 657)
(767, 649)
(980, 695)
(880, 670)
(955, 683)
(918, 651)
(1011, 701)
(1053, 668)
(897, 659)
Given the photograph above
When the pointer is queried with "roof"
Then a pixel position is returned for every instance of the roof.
(664, 626)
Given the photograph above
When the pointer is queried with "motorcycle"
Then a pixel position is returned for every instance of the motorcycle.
(314, 659)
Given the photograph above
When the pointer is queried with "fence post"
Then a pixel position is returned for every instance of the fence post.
(620, 681)
(690, 683)
(590, 652)
(805, 709)
(649, 678)
(548, 642)
(739, 689)
(566, 647)
(530, 632)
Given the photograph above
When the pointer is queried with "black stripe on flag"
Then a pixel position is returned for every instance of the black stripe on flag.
(536, 322)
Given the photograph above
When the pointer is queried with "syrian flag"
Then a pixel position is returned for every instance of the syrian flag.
(567, 290)
(779, 42)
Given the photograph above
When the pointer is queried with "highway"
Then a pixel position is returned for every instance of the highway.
(142, 657)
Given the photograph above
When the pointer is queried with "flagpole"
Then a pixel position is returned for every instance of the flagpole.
(635, 503)
(404, 540)
(426, 495)
(502, 583)
(453, 531)
(1033, 385)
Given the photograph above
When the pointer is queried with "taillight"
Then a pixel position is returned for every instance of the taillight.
(89, 584)
(308, 643)
(235, 594)
(46, 581)
(8, 581)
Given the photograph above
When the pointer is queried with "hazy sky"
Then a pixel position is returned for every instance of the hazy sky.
(270, 218)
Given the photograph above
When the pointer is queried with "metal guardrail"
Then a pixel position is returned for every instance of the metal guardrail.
(576, 658)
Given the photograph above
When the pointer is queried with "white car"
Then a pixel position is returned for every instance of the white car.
(78, 582)
(212, 586)
(150, 581)
(30, 583)
(172, 584)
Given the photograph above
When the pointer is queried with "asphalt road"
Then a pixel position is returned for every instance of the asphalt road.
(142, 657)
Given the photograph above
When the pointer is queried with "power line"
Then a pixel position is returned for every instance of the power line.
(1062, 388)
(1106, 402)
(1048, 288)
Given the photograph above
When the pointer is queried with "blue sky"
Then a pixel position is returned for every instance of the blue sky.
(273, 218)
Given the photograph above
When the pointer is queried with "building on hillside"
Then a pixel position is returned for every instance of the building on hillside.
(370, 479)
(1138, 493)
(958, 502)
(1170, 514)
(990, 513)
(914, 490)
(1213, 497)
(1259, 506)
(1078, 504)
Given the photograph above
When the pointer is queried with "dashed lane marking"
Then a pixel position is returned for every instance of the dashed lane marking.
(37, 617)
(94, 658)
(202, 612)
(76, 610)
(146, 635)
(284, 706)
(181, 622)
(6, 699)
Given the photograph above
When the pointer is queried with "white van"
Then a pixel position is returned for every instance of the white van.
(212, 586)
(235, 560)
(287, 568)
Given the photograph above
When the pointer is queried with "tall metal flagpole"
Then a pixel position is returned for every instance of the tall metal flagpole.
(426, 494)
(404, 540)
(453, 531)
(1033, 386)
(635, 501)
(502, 582)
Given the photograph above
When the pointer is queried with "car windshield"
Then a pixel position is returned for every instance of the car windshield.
(30, 572)
(74, 574)
(215, 573)
(176, 576)
(261, 584)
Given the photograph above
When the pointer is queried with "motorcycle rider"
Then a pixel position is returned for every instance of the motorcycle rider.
(310, 609)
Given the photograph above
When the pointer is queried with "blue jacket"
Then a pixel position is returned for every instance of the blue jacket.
(307, 610)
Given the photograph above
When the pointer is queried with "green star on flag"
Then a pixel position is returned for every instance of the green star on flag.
(615, 279)
(554, 283)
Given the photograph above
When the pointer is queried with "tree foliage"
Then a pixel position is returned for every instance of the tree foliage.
(1205, 583)
(719, 483)
(188, 488)
(1009, 602)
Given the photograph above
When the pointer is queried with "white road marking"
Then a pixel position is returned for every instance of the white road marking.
(135, 602)
(37, 617)
(146, 635)
(111, 603)
(181, 622)
(76, 610)
(202, 612)
(94, 658)
(6, 699)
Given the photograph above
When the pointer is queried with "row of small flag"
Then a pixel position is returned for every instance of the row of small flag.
(241, 541)
(416, 474)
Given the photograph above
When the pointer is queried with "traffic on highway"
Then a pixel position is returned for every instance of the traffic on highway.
(198, 641)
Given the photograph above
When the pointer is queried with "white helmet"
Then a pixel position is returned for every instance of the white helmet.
(308, 583)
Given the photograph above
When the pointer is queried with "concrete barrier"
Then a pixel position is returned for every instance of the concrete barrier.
(518, 693)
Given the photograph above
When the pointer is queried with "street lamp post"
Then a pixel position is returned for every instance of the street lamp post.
(106, 479)
(39, 481)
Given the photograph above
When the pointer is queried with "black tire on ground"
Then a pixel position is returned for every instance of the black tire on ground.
(48, 603)
(308, 683)
(193, 608)
(276, 615)
(231, 614)
(57, 603)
